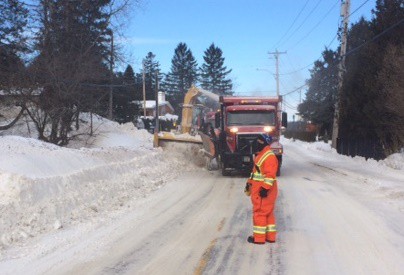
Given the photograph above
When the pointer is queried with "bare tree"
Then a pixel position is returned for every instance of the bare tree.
(72, 65)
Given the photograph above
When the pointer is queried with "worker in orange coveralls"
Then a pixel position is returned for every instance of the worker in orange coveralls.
(263, 189)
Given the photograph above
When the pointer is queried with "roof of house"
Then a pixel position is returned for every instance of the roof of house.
(16, 92)
(150, 104)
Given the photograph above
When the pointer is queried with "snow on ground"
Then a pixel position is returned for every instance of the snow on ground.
(44, 188)
(384, 179)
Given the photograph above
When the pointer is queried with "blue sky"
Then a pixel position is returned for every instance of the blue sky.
(245, 30)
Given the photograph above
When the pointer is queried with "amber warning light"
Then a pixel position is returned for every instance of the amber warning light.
(251, 102)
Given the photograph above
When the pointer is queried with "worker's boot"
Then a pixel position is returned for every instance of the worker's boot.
(250, 239)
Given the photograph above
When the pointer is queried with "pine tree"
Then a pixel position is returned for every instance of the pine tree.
(182, 75)
(129, 80)
(372, 100)
(389, 73)
(13, 21)
(214, 73)
(358, 98)
(318, 106)
(126, 96)
(151, 67)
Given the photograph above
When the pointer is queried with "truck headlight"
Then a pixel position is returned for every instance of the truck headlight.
(234, 130)
(268, 129)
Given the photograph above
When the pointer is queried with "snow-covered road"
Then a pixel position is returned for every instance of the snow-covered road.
(335, 215)
(337, 220)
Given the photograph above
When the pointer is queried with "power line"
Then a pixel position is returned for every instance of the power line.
(353, 50)
(336, 35)
(375, 37)
(288, 105)
(295, 90)
(318, 23)
(294, 21)
(304, 20)
(300, 69)
(360, 6)
(305, 67)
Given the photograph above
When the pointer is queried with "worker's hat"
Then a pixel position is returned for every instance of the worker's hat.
(264, 138)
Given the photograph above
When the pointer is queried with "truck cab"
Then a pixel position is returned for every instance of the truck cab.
(241, 120)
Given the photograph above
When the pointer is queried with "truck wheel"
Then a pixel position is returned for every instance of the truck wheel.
(225, 172)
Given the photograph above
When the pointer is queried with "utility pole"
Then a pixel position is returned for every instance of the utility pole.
(111, 67)
(345, 9)
(157, 102)
(144, 92)
(156, 124)
(276, 54)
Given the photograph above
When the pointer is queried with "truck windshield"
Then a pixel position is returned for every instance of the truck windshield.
(251, 118)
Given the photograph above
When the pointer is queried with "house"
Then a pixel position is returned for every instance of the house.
(164, 106)
(14, 96)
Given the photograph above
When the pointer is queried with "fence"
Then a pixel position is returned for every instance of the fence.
(301, 135)
(368, 148)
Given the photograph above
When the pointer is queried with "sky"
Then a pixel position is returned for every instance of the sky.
(246, 31)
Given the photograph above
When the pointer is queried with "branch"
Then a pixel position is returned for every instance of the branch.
(12, 123)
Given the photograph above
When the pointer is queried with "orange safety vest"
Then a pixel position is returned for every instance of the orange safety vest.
(265, 168)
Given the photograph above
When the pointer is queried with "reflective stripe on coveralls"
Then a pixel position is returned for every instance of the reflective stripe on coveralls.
(258, 176)
(271, 228)
(260, 230)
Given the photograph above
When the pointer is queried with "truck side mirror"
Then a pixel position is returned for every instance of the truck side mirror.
(217, 120)
(284, 119)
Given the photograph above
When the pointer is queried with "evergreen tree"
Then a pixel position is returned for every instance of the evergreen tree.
(318, 106)
(182, 75)
(359, 99)
(372, 100)
(13, 21)
(214, 73)
(151, 67)
(127, 96)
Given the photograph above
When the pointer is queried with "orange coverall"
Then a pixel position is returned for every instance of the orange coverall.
(264, 175)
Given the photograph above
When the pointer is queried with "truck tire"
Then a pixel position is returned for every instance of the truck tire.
(278, 173)
(225, 172)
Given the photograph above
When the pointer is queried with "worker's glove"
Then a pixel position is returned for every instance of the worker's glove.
(247, 189)
(263, 192)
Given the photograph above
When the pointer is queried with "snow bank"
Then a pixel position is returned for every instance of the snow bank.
(44, 187)
(395, 161)
(32, 158)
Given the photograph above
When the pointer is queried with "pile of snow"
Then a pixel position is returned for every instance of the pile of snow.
(395, 161)
(44, 187)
